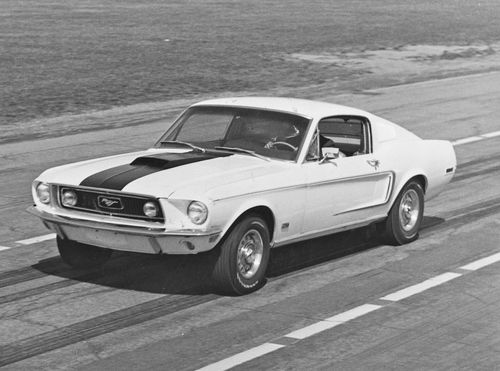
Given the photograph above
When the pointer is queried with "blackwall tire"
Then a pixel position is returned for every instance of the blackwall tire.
(242, 259)
(405, 217)
(79, 255)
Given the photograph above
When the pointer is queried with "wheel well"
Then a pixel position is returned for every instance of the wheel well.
(262, 211)
(421, 179)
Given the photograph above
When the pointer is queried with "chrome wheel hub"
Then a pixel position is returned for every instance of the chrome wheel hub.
(409, 210)
(250, 251)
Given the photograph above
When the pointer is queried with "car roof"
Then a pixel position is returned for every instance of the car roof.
(303, 107)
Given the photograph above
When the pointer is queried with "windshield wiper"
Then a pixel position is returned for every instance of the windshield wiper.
(192, 146)
(241, 150)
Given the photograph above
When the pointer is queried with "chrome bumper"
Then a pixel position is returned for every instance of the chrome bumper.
(132, 236)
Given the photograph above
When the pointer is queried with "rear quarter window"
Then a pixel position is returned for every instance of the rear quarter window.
(350, 134)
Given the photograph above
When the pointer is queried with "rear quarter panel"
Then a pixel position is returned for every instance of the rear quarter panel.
(433, 159)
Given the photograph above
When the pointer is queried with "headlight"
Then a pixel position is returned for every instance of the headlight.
(43, 193)
(68, 198)
(197, 212)
(150, 209)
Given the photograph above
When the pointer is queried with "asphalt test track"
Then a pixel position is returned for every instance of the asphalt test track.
(342, 302)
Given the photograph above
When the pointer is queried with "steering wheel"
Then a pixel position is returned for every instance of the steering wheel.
(285, 145)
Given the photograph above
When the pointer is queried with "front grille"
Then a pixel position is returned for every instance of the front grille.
(115, 204)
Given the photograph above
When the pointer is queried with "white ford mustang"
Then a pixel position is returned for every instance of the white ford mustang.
(242, 175)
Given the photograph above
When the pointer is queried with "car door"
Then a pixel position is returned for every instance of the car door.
(345, 190)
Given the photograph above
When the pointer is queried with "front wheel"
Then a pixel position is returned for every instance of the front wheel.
(241, 265)
(406, 215)
(80, 255)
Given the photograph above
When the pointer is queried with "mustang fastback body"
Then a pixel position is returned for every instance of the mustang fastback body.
(241, 175)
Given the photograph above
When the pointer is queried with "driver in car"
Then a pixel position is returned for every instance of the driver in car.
(286, 136)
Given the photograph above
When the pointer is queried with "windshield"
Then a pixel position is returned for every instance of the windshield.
(267, 133)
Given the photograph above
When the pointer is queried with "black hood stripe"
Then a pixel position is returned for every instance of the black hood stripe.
(116, 178)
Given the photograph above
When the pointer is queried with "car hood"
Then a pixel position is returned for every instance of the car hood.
(161, 173)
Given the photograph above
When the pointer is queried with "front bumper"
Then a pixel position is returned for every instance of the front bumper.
(125, 236)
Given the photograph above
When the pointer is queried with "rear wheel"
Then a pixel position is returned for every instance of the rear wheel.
(240, 267)
(80, 255)
(405, 217)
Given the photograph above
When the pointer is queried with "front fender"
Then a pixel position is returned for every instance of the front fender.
(228, 211)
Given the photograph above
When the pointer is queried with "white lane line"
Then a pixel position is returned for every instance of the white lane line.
(353, 313)
(242, 357)
(2, 248)
(492, 134)
(475, 265)
(303, 333)
(422, 286)
(311, 330)
(336, 320)
(476, 138)
(45, 237)
(466, 140)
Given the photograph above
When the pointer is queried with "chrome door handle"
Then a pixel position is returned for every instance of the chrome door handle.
(374, 163)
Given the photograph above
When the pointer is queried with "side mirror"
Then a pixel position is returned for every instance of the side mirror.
(329, 153)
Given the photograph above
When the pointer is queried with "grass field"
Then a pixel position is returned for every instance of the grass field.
(66, 56)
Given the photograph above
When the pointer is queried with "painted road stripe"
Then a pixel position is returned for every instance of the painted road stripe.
(475, 138)
(30, 241)
(5, 248)
(466, 140)
(336, 320)
(492, 134)
(422, 286)
(311, 330)
(242, 357)
(475, 265)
